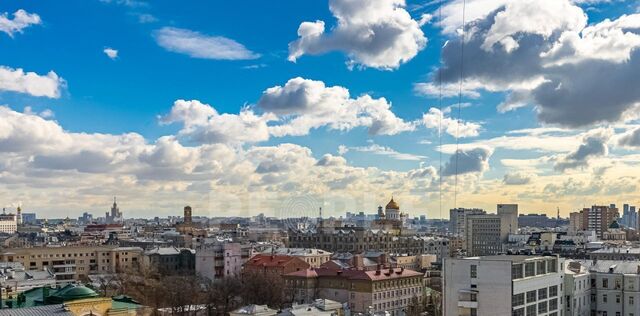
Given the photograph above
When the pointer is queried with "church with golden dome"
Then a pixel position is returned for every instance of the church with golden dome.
(390, 217)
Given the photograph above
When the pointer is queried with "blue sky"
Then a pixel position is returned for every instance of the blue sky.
(136, 89)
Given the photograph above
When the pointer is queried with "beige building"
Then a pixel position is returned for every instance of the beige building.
(484, 234)
(75, 262)
(8, 223)
(381, 290)
(509, 212)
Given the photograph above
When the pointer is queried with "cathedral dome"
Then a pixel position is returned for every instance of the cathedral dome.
(392, 205)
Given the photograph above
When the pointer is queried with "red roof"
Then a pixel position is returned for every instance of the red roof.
(351, 274)
(266, 260)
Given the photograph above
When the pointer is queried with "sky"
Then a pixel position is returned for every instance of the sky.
(284, 107)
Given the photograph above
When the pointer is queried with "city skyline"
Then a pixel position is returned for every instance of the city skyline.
(293, 109)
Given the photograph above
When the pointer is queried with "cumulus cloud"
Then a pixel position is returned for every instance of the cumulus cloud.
(464, 161)
(373, 33)
(17, 80)
(550, 60)
(630, 138)
(111, 53)
(203, 124)
(594, 145)
(517, 178)
(436, 119)
(198, 45)
(21, 20)
(308, 104)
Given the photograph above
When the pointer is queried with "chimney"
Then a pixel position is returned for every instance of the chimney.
(379, 267)
(358, 262)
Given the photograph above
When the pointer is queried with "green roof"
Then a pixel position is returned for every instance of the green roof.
(70, 293)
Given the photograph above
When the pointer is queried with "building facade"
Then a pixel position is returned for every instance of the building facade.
(484, 234)
(384, 289)
(75, 263)
(509, 212)
(503, 285)
(457, 219)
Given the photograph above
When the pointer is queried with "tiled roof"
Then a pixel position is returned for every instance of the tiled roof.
(47, 310)
(264, 260)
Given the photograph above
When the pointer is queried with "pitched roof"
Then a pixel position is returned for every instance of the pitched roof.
(264, 260)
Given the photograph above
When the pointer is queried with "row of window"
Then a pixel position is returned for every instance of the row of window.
(540, 308)
(533, 296)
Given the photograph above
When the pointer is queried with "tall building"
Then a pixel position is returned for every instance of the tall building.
(484, 234)
(115, 216)
(457, 218)
(599, 217)
(510, 213)
(576, 222)
(187, 215)
(503, 285)
(19, 216)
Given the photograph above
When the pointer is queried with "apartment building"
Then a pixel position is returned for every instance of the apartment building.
(597, 218)
(383, 289)
(484, 234)
(8, 223)
(219, 260)
(615, 287)
(356, 239)
(457, 219)
(483, 286)
(170, 260)
(75, 262)
(577, 289)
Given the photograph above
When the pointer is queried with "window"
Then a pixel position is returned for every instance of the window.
(605, 283)
(518, 312)
(474, 271)
(604, 298)
(531, 310)
(618, 298)
(553, 291)
(553, 304)
(542, 294)
(531, 297)
(516, 271)
(529, 269)
(542, 307)
(517, 300)
(542, 267)
(630, 300)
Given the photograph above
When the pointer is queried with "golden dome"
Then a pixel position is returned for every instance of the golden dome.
(392, 205)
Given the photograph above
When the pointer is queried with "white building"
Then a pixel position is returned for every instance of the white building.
(219, 260)
(485, 234)
(8, 223)
(577, 289)
(503, 285)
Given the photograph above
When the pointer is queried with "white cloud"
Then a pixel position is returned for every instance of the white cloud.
(199, 45)
(111, 53)
(540, 17)
(16, 80)
(387, 151)
(435, 119)
(21, 20)
(373, 33)
(203, 124)
(305, 104)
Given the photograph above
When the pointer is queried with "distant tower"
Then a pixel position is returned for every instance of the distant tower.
(19, 216)
(187, 215)
(115, 215)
